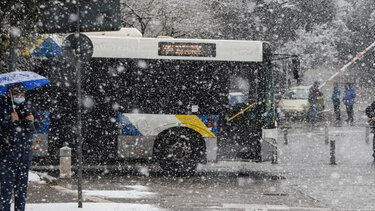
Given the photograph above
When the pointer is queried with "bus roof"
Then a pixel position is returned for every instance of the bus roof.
(179, 49)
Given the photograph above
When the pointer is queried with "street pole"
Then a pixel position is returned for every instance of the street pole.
(79, 111)
(332, 152)
(14, 33)
(367, 134)
(326, 134)
(285, 136)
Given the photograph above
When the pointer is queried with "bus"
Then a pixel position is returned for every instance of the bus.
(176, 102)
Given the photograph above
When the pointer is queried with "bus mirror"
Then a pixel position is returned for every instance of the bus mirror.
(296, 67)
(278, 96)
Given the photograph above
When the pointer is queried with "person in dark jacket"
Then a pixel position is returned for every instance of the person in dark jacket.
(314, 93)
(336, 102)
(18, 119)
(370, 112)
(348, 100)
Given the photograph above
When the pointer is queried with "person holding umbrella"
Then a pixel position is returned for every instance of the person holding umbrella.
(18, 120)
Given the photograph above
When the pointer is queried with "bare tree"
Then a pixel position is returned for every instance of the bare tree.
(174, 18)
(138, 14)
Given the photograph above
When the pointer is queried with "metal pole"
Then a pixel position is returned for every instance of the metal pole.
(79, 112)
(13, 49)
(326, 134)
(373, 147)
(332, 152)
(367, 134)
(274, 154)
(285, 136)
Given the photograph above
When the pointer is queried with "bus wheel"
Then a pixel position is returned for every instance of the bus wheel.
(177, 152)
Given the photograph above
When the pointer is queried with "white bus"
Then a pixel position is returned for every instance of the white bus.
(177, 102)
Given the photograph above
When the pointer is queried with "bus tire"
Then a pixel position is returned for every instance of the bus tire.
(178, 151)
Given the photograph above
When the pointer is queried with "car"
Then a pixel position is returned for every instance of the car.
(294, 102)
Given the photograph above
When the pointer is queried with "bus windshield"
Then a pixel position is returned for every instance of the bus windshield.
(294, 94)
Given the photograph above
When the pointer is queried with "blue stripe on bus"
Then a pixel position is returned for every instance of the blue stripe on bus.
(211, 122)
(126, 128)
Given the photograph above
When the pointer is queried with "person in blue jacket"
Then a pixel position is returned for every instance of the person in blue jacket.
(336, 102)
(18, 119)
(348, 100)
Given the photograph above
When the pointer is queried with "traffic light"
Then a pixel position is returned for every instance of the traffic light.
(94, 15)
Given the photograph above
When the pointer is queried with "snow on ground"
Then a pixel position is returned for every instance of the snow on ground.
(34, 178)
(137, 187)
(92, 206)
(119, 194)
(135, 192)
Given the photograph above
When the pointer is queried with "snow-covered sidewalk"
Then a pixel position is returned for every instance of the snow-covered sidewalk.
(132, 192)
(88, 206)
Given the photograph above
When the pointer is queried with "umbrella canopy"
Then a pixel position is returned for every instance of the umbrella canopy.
(29, 80)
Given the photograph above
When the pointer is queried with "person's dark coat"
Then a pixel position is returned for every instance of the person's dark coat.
(18, 130)
(6, 127)
(16, 152)
(314, 93)
(370, 112)
(336, 94)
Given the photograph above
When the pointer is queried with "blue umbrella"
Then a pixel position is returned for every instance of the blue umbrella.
(29, 80)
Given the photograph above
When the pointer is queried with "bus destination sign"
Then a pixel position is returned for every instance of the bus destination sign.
(187, 49)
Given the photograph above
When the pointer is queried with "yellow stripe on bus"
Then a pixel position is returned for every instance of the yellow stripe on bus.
(193, 122)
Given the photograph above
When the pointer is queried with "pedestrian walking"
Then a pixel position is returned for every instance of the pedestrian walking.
(336, 103)
(370, 112)
(18, 119)
(314, 93)
(348, 100)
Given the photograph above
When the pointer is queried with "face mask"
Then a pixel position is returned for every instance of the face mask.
(19, 100)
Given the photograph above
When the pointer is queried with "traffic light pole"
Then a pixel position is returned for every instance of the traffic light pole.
(78, 67)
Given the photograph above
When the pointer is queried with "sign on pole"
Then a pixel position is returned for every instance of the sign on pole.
(77, 45)
(61, 16)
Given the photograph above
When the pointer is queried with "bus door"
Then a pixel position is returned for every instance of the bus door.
(240, 132)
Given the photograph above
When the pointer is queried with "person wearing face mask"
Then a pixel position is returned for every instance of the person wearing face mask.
(18, 120)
